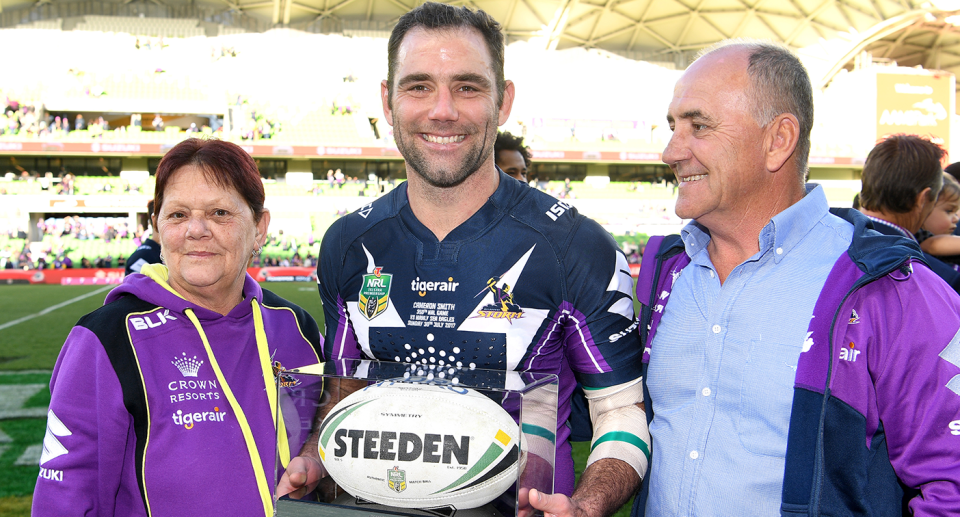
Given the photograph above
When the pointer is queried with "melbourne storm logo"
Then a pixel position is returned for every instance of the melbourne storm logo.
(503, 306)
(374, 293)
(285, 380)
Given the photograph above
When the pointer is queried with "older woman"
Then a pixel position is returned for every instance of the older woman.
(163, 401)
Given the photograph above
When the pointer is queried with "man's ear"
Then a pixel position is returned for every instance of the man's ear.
(504, 112)
(385, 99)
(923, 199)
(781, 139)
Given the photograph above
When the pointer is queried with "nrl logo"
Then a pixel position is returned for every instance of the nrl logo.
(374, 293)
(397, 479)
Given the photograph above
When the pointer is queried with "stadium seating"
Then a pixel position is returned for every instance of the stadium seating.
(150, 27)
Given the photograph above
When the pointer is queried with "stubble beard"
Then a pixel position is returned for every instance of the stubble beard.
(437, 176)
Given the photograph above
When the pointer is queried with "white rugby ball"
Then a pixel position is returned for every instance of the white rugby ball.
(420, 446)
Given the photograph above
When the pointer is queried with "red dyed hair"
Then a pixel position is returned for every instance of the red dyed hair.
(225, 164)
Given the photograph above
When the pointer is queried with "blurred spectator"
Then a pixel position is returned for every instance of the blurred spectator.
(158, 123)
(147, 253)
(6, 258)
(512, 156)
(79, 123)
(901, 180)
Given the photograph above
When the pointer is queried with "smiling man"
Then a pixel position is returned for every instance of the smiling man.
(462, 254)
(797, 361)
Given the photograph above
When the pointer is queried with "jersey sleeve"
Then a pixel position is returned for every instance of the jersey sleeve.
(340, 341)
(918, 390)
(601, 344)
(89, 432)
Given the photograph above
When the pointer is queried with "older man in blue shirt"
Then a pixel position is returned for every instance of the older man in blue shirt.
(754, 320)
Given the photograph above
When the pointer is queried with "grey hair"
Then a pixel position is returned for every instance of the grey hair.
(781, 84)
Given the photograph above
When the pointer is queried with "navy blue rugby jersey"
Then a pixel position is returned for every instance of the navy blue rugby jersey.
(527, 284)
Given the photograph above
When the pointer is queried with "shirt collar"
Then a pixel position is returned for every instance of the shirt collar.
(781, 234)
(906, 233)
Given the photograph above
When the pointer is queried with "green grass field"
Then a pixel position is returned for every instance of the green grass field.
(34, 321)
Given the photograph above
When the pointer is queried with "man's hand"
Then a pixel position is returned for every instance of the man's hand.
(301, 477)
(554, 505)
(604, 487)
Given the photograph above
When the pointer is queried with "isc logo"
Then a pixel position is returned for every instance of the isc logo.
(146, 323)
(558, 209)
(955, 428)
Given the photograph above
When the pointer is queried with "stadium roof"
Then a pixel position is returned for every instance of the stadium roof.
(911, 32)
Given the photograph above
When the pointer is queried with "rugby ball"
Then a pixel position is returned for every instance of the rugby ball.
(420, 446)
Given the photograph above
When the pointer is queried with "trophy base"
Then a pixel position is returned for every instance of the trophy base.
(349, 505)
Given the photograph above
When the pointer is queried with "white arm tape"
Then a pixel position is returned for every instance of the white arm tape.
(619, 425)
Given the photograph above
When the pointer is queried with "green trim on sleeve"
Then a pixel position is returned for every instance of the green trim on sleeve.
(623, 436)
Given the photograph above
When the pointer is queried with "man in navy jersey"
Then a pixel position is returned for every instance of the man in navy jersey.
(524, 282)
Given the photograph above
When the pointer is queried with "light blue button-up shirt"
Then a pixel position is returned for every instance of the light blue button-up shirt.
(723, 362)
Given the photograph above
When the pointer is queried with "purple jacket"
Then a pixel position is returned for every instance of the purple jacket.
(139, 423)
(875, 424)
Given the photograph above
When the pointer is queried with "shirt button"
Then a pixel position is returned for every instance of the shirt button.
(779, 251)
(716, 329)
(712, 274)
(706, 392)
(694, 455)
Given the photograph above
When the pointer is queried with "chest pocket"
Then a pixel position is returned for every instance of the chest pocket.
(766, 397)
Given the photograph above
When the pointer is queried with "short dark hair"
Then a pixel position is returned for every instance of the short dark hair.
(896, 172)
(224, 163)
(437, 16)
(506, 141)
(780, 85)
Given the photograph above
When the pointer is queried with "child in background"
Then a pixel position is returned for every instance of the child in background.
(936, 235)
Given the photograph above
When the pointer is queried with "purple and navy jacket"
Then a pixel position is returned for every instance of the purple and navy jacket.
(139, 425)
(527, 284)
(875, 422)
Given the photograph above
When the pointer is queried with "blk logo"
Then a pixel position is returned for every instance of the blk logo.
(147, 323)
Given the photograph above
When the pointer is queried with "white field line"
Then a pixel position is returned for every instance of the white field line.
(55, 307)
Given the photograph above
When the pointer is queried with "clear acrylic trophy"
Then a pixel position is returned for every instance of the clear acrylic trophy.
(529, 398)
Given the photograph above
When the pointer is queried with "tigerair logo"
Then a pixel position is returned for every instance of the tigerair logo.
(849, 353)
(423, 287)
(503, 306)
(145, 322)
(188, 420)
